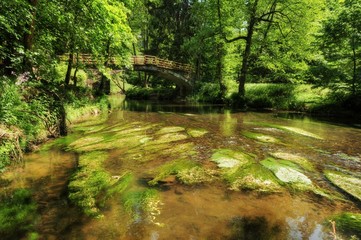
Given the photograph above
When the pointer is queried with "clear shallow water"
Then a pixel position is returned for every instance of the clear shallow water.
(134, 141)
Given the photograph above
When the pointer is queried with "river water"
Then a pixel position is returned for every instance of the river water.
(141, 139)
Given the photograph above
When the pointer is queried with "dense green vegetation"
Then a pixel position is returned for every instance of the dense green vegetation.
(293, 55)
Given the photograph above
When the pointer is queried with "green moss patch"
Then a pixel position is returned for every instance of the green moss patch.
(260, 137)
(303, 162)
(196, 132)
(253, 177)
(349, 224)
(348, 183)
(227, 158)
(170, 137)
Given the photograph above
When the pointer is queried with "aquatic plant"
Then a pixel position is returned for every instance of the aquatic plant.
(171, 168)
(17, 214)
(348, 223)
(227, 158)
(348, 183)
(172, 129)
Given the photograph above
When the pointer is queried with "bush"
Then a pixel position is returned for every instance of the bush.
(210, 93)
(159, 93)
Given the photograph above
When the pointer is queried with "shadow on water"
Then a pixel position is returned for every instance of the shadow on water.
(253, 228)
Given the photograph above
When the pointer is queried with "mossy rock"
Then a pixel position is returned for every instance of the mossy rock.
(195, 133)
(348, 183)
(253, 177)
(303, 162)
(348, 223)
(260, 137)
(288, 173)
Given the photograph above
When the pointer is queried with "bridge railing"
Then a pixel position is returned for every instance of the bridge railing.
(161, 63)
(87, 59)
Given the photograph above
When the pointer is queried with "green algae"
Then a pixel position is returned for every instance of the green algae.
(195, 133)
(260, 137)
(348, 183)
(288, 173)
(227, 158)
(348, 224)
(196, 175)
(253, 177)
(88, 182)
(303, 162)
(171, 168)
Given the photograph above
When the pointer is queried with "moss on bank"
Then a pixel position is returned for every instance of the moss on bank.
(349, 224)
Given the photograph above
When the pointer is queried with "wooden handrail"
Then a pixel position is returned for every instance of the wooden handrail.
(143, 60)
(161, 63)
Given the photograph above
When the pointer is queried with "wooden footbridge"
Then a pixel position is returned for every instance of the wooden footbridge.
(179, 73)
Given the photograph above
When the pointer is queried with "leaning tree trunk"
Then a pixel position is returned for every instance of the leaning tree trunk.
(68, 71)
(247, 51)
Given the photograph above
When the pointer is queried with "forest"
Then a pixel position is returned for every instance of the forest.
(298, 55)
(62, 60)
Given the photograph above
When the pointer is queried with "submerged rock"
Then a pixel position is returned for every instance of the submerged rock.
(227, 158)
(303, 162)
(288, 172)
(349, 183)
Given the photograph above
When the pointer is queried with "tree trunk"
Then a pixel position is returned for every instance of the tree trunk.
(247, 51)
(28, 37)
(68, 71)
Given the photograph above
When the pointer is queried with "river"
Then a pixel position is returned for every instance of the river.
(192, 172)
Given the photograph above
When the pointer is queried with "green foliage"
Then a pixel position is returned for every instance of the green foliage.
(210, 93)
(159, 93)
(17, 214)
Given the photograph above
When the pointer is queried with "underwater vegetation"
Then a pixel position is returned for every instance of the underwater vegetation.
(348, 224)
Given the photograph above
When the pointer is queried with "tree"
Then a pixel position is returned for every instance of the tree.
(342, 46)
